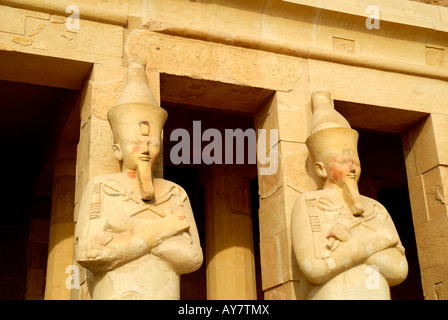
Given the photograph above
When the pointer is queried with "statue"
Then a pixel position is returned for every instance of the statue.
(346, 244)
(136, 233)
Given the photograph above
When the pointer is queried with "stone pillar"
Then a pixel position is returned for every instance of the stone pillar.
(229, 239)
(60, 247)
(286, 112)
(426, 156)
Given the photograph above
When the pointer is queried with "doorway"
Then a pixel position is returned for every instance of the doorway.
(31, 119)
(192, 178)
(383, 177)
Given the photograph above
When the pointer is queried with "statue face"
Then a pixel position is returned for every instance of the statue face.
(141, 149)
(342, 166)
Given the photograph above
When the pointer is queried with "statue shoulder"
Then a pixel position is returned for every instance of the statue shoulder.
(373, 207)
(370, 203)
(165, 190)
(165, 186)
(103, 178)
(304, 199)
(310, 195)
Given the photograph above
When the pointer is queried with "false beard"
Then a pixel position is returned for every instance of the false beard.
(145, 181)
(352, 197)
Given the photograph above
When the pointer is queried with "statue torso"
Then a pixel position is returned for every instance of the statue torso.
(149, 276)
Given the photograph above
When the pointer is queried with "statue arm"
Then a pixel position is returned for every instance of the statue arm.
(320, 265)
(391, 262)
(182, 252)
(104, 244)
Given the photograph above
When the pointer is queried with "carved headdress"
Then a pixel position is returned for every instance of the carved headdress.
(330, 130)
(137, 111)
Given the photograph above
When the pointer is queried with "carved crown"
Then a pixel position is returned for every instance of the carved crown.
(330, 131)
(137, 111)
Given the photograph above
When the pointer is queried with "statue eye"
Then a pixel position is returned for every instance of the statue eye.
(136, 142)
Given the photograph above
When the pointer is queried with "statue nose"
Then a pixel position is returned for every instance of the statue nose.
(145, 148)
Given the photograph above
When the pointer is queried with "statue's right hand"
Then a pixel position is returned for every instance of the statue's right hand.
(98, 252)
(177, 223)
(118, 222)
(376, 241)
(339, 232)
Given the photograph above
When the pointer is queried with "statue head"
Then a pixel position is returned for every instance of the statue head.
(333, 147)
(137, 121)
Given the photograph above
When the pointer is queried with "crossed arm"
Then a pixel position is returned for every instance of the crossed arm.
(105, 244)
(356, 246)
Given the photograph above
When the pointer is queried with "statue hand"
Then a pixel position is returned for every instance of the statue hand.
(339, 232)
(156, 231)
(118, 222)
(177, 223)
(98, 250)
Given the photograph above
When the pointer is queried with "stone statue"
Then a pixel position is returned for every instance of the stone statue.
(346, 244)
(136, 233)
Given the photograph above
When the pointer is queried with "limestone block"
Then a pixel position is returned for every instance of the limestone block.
(13, 20)
(297, 98)
(178, 56)
(292, 124)
(435, 184)
(434, 282)
(289, 23)
(101, 140)
(285, 291)
(409, 155)
(270, 183)
(294, 156)
(266, 70)
(105, 95)
(406, 42)
(443, 13)
(429, 139)
(272, 214)
(218, 16)
(344, 33)
(435, 56)
(432, 242)
(343, 6)
(406, 12)
(379, 88)
(41, 33)
(212, 61)
(283, 267)
(82, 151)
(418, 200)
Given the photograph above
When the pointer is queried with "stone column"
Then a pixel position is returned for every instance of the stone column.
(426, 157)
(288, 113)
(229, 239)
(60, 247)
